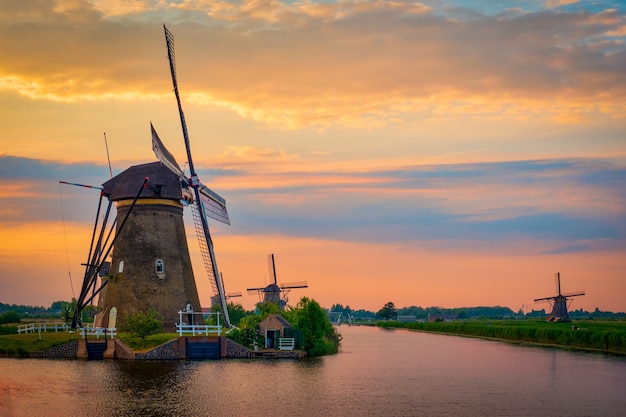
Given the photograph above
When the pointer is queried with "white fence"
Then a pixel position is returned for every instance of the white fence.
(98, 331)
(86, 330)
(197, 329)
(286, 343)
(42, 327)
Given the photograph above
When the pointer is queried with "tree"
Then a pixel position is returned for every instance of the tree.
(143, 324)
(236, 312)
(57, 306)
(67, 312)
(337, 308)
(9, 317)
(319, 337)
(388, 311)
(265, 309)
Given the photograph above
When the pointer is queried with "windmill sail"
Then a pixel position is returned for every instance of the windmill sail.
(163, 155)
(204, 201)
(271, 265)
(214, 205)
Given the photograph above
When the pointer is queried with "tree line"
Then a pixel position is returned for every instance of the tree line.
(389, 311)
(34, 311)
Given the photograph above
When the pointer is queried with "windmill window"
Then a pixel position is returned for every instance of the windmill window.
(120, 267)
(159, 266)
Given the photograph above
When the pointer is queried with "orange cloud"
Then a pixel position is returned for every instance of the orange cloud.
(363, 66)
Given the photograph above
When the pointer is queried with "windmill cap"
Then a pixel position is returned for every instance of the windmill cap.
(162, 183)
(272, 288)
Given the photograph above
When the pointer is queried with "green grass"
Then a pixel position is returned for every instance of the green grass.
(609, 336)
(22, 344)
(151, 341)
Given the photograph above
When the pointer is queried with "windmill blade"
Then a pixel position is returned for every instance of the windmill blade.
(169, 40)
(292, 285)
(208, 255)
(557, 281)
(574, 294)
(234, 294)
(229, 294)
(252, 291)
(272, 267)
(214, 205)
(544, 299)
(165, 156)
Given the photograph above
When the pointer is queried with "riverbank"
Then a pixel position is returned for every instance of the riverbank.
(606, 337)
(162, 346)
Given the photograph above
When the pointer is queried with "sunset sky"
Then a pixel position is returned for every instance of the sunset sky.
(438, 153)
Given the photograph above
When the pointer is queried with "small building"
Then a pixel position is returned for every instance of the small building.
(272, 328)
(441, 317)
(407, 319)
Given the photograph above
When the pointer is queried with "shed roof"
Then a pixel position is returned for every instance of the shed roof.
(280, 319)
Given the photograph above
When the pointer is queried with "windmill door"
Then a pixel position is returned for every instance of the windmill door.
(113, 317)
(271, 338)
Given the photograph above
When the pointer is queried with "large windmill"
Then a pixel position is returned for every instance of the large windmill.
(275, 293)
(151, 266)
(559, 302)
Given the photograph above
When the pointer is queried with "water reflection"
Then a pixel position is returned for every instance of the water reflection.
(378, 372)
(144, 388)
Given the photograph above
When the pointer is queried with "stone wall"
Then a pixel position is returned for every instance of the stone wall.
(166, 351)
(122, 351)
(67, 350)
(172, 350)
(235, 350)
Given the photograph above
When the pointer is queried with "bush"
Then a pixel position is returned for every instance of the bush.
(8, 329)
(143, 324)
(319, 337)
(9, 317)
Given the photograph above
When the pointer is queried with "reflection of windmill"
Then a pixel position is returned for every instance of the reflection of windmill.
(151, 262)
(559, 302)
(272, 292)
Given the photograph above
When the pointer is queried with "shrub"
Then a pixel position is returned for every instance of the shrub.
(143, 324)
(9, 317)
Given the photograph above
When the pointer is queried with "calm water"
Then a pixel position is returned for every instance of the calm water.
(378, 373)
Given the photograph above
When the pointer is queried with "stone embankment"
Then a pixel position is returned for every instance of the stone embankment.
(173, 350)
(67, 350)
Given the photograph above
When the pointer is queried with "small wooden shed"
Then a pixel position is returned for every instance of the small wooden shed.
(273, 328)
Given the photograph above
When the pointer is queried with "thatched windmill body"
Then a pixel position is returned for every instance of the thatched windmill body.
(559, 302)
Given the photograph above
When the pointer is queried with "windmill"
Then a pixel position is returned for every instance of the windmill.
(229, 295)
(151, 266)
(275, 293)
(559, 302)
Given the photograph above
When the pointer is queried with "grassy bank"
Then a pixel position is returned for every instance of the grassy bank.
(609, 337)
(21, 345)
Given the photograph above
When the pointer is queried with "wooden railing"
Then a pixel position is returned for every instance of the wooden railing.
(197, 329)
(98, 331)
(286, 343)
(42, 327)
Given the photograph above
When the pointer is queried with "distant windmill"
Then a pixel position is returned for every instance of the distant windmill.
(229, 295)
(275, 293)
(559, 302)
